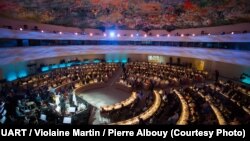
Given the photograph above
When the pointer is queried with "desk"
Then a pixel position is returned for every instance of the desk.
(145, 115)
(234, 101)
(121, 104)
(183, 120)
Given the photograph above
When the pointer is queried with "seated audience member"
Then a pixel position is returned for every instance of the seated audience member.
(174, 118)
(19, 113)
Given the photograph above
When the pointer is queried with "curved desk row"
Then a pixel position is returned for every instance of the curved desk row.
(145, 115)
(234, 101)
(121, 104)
(92, 85)
(183, 120)
(217, 112)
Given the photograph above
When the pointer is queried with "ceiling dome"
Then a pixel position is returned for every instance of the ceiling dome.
(129, 14)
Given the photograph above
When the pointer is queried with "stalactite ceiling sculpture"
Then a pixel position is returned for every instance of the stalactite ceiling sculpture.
(129, 14)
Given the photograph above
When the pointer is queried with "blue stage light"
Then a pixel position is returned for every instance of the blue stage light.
(246, 80)
(22, 73)
(69, 64)
(46, 68)
(54, 66)
(96, 61)
(62, 65)
(11, 76)
(124, 60)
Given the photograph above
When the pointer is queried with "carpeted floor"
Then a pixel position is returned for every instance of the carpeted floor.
(107, 95)
(104, 96)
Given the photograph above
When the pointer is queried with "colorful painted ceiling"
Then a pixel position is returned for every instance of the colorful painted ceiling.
(129, 14)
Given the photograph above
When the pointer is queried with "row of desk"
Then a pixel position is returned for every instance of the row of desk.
(234, 101)
(183, 120)
(145, 115)
(217, 112)
(120, 105)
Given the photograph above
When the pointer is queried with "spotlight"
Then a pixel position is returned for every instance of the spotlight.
(20, 29)
(145, 35)
(118, 35)
(182, 35)
(157, 35)
(104, 34)
(42, 31)
(193, 34)
(168, 35)
(232, 33)
(60, 32)
(90, 34)
(112, 34)
(76, 33)
(137, 34)
(209, 34)
(131, 35)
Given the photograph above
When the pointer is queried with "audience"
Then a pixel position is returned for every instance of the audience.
(45, 98)
(28, 98)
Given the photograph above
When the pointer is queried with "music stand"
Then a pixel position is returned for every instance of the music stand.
(67, 120)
